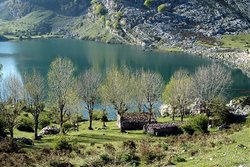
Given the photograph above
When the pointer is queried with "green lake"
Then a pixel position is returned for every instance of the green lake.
(22, 56)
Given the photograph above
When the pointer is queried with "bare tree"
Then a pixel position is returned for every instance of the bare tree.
(116, 90)
(88, 84)
(35, 95)
(210, 82)
(151, 86)
(62, 84)
(138, 96)
(12, 100)
(178, 92)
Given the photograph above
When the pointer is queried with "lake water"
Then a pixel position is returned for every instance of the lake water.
(22, 56)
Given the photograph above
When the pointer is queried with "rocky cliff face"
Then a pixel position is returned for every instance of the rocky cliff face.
(181, 23)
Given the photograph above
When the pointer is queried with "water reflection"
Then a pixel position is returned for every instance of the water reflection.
(9, 66)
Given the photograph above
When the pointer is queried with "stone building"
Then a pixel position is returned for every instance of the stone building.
(134, 121)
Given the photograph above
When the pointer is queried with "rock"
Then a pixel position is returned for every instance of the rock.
(24, 140)
(49, 131)
(165, 110)
(241, 146)
(222, 127)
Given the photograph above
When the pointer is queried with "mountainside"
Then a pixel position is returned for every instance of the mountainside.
(217, 28)
(156, 23)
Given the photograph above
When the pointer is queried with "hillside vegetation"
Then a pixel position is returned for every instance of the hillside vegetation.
(156, 24)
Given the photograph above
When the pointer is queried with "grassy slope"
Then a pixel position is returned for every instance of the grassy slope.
(224, 152)
(241, 41)
(227, 155)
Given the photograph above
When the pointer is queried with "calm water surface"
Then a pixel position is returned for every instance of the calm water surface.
(22, 56)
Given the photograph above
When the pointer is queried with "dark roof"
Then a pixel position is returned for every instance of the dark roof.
(137, 117)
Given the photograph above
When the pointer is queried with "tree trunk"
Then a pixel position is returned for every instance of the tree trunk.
(11, 129)
(36, 127)
(182, 114)
(121, 124)
(150, 109)
(61, 121)
(173, 114)
(103, 124)
(90, 119)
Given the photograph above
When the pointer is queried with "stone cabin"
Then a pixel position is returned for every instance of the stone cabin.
(163, 129)
(135, 121)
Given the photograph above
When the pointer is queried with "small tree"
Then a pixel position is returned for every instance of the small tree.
(88, 84)
(178, 92)
(116, 90)
(12, 100)
(35, 93)
(151, 89)
(210, 82)
(62, 84)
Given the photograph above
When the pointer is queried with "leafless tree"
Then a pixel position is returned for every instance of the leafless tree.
(178, 92)
(62, 86)
(35, 89)
(210, 82)
(151, 86)
(88, 84)
(12, 100)
(116, 90)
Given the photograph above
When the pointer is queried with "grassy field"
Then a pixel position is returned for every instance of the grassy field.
(241, 41)
(222, 149)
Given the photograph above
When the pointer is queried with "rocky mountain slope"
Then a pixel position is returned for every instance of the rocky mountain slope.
(190, 25)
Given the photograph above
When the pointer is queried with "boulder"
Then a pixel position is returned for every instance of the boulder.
(24, 140)
(49, 130)
(165, 110)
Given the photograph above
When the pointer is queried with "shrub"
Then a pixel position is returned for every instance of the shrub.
(67, 126)
(9, 145)
(99, 9)
(44, 121)
(109, 148)
(198, 124)
(25, 124)
(179, 159)
(161, 8)
(187, 128)
(63, 145)
(219, 111)
(149, 3)
(247, 123)
(129, 145)
(105, 158)
(97, 115)
(147, 154)
(165, 146)
(2, 126)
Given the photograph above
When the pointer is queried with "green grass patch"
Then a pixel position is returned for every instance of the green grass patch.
(240, 41)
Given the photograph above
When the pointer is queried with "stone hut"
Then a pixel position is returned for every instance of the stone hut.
(163, 129)
(135, 121)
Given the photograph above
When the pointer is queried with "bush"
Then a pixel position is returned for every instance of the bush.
(198, 124)
(2, 126)
(44, 121)
(109, 148)
(97, 115)
(219, 111)
(147, 154)
(149, 3)
(129, 145)
(161, 8)
(247, 123)
(63, 145)
(25, 124)
(9, 145)
(67, 126)
(165, 146)
(99, 9)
